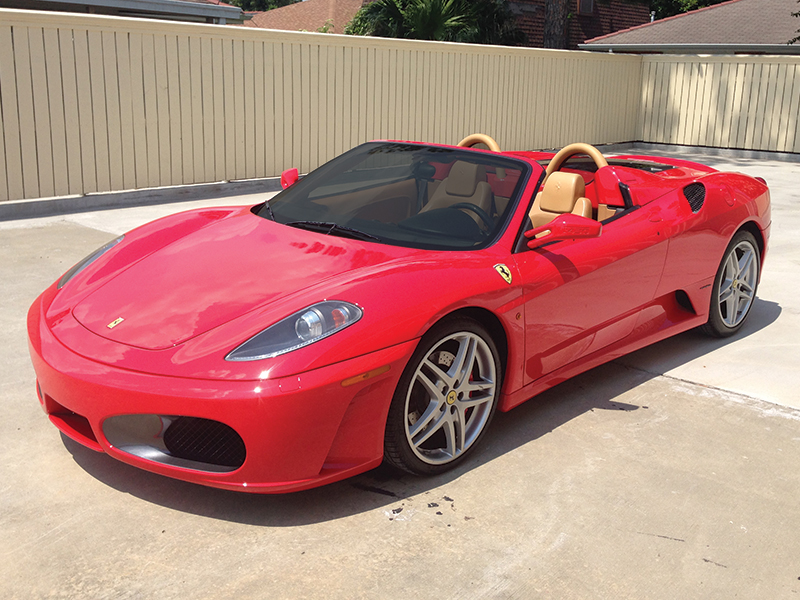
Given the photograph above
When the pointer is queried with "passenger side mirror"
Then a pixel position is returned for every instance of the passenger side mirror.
(289, 177)
(563, 227)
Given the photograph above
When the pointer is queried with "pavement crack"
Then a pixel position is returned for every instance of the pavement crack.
(665, 537)
(714, 563)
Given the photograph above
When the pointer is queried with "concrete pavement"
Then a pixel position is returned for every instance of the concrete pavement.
(672, 472)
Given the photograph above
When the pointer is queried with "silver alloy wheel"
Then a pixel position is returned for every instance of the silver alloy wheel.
(738, 283)
(450, 399)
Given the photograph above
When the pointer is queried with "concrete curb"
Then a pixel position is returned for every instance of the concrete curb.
(670, 149)
(47, 207)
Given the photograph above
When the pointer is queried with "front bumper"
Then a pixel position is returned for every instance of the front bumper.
(299, 432)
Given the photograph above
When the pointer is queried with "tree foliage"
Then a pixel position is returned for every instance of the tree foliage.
(668, 8)
(259, 5)
(475, 21)
(796, 39)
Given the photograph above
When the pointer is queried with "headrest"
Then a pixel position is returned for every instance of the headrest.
(464, 177)
(561, 190)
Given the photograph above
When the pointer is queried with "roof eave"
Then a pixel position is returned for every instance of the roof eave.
(778, 49)
(165, 7)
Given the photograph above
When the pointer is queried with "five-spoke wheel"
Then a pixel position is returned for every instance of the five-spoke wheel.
(734, 286)
(445, 399)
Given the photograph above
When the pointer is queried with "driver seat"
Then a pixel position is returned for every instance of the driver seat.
(465, 183)
(562, 193)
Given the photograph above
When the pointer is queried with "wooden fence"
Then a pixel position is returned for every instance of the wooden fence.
(93, 104)
(751, 103)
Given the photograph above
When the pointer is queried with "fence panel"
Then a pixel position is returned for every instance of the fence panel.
(746, 102)
(92, 103)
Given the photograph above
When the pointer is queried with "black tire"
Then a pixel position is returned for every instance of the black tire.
(451, 388)
(735, 286)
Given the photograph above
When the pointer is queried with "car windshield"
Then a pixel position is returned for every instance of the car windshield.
(406, 195)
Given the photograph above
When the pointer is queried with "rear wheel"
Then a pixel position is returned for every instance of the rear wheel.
(445, 399)
(734, 286)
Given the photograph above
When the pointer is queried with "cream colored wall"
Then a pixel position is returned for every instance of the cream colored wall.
(94, 104)
(730, 102)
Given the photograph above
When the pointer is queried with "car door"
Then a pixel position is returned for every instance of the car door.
(582, 295)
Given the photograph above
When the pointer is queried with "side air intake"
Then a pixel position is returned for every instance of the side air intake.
(695, 194)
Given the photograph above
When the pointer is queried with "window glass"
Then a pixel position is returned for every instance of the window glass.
(406, 194)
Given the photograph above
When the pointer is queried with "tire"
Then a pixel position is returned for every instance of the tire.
(734, 286)
(445, 399)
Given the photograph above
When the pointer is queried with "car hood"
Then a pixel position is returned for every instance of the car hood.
(216, 274)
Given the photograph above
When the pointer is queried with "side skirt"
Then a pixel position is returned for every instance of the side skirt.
(662, 325)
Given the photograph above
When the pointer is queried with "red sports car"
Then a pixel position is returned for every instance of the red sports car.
(385, 306)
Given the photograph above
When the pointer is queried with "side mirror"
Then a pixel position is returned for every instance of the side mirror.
(289, 177)
(564, 227)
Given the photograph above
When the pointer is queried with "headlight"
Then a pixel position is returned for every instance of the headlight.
(87, 261)
(300, 329)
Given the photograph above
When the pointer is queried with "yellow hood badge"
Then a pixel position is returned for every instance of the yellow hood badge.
(115, 322)
(504, 272)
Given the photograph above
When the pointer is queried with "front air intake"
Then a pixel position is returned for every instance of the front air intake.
(695, 194)
(205, 441)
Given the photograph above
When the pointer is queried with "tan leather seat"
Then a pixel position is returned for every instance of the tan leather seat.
(562, 193)
(465, 183)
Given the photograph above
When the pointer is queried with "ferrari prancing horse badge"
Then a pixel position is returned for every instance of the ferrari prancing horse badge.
(504, 271)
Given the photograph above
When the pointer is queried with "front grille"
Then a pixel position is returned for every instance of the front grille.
(695, 194)
(206, 441)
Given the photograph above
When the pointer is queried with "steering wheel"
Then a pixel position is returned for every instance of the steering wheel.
(479, 138)
(468, 206)
(569, 151)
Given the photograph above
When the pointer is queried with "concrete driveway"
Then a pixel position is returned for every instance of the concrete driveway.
(673, 472)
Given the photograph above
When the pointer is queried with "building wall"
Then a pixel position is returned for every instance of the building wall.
(608, 17)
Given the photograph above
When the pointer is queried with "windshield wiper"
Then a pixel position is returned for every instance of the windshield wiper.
(269, 209)
(330, 228)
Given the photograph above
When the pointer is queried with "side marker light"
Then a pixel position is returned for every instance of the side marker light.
(364, 376)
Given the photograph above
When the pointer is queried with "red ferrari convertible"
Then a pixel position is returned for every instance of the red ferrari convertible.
(385, 306)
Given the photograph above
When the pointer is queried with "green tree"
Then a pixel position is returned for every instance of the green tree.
(668, 8)
(477, 21)
(258, 5)
(382, 18)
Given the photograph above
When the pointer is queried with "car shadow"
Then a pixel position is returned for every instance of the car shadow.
(681, 349)
(386, 487)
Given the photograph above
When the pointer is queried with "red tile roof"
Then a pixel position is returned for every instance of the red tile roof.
(309, 15)
(733, 22)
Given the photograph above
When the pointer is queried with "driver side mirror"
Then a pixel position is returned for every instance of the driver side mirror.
(564, 227)
(289, 177)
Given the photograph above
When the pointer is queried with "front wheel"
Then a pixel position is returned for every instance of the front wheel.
(734, 286)
(445, 399)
